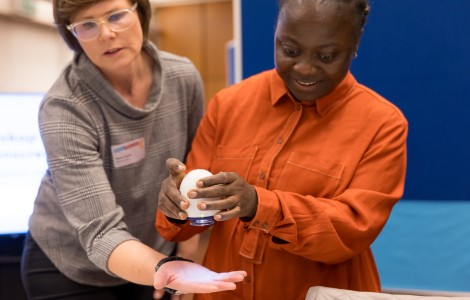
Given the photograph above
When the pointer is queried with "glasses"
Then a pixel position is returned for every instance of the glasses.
(90, 29)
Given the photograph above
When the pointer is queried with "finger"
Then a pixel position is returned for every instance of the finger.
(174, 195)
(160, 279)
(175, 167)
(228, 214)
(226, 281)
(224, 285)
(169, 192)
(208, 287)
(234, 276)
(171, 209)
(197, 288)
(216, 191)
(158, 294)
(222, 204)
(219, 178)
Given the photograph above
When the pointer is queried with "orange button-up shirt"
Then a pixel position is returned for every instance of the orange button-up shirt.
(327, 175)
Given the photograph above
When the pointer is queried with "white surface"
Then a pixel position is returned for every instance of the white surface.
(22, 160)
(326, 293)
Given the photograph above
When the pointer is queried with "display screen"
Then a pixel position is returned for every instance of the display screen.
(22, 159)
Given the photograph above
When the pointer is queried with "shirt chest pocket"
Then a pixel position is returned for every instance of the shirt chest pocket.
(308, 175)
(234, 159)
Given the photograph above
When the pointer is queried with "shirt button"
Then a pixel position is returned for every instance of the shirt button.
(280, 140)
(264, 226)
(256, 223)
(298, 107)
(248, 279)
(246, 226)
(262, 176)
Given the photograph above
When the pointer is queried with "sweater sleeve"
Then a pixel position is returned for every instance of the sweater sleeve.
(85, 195)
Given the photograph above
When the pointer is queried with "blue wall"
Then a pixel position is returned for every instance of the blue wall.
(416, 53)
(258, 24)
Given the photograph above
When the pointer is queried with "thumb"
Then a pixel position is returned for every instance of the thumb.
(160, 280)
(175, 167)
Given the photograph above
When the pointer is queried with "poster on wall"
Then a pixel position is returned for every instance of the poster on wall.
(22, 160)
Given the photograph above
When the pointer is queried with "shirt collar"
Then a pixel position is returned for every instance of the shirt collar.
(279, 91)
(278, 88)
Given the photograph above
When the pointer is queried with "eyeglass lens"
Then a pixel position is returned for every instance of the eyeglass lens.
(118, 21)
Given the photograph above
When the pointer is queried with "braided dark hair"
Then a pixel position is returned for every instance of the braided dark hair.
(361, 8)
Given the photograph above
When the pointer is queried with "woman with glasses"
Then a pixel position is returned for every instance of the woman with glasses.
(108, 123)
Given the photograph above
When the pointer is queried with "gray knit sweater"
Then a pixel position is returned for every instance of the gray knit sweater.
(106, 162)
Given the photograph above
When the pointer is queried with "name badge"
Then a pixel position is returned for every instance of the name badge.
(128, 153)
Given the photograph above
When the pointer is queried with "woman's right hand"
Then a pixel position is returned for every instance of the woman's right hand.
(188, 277)
(170, 200)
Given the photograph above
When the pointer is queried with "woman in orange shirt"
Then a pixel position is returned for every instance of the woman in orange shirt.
(309, 164)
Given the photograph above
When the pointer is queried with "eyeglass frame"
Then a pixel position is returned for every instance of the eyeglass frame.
(101, 20)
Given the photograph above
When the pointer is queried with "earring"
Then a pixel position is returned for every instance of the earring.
(354, 54)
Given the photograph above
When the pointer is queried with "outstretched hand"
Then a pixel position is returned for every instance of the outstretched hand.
(188, 277)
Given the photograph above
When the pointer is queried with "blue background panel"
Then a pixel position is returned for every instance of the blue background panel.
(426, 246)
(258, 24)
(416, 53)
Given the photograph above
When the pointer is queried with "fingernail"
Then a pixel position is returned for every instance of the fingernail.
(182, 215)
(182, 203)
(180, 167)
(217, 217)
(202, 205)
(192, 194)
